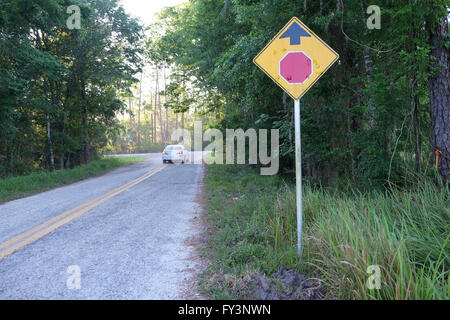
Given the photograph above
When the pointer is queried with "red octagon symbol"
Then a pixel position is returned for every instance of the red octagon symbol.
(296, 67)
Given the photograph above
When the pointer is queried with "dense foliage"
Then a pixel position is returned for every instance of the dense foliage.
(253, 233)
(367, 119)
(60, 87)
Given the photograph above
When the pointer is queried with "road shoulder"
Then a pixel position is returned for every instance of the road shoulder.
(196, 243)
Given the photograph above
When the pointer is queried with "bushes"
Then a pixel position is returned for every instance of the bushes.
(405, 233)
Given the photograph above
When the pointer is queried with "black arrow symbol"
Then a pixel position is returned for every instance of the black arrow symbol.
(295, 33)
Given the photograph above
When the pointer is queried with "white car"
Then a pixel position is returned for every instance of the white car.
(175, 153)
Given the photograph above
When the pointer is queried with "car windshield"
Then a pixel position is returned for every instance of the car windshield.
(169, 148)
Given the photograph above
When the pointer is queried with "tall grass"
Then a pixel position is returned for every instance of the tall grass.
(405, 233)
(16, 187)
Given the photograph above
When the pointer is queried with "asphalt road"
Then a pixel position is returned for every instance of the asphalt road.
(119, 236)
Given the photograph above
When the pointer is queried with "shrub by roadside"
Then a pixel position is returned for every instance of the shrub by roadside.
(253, 234)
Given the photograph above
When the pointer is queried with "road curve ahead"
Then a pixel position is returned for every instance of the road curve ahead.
(119, 236)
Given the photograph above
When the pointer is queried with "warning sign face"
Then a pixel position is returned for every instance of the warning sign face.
(296, 58)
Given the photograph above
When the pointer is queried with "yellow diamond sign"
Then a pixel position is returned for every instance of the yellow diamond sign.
(296, 58)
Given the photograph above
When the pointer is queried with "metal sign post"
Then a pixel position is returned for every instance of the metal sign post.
(295, 59)
(298, 173)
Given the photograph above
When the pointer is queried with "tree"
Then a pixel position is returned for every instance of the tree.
(439, 85)
(60, 88)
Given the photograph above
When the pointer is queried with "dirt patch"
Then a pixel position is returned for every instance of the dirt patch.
(287, 284)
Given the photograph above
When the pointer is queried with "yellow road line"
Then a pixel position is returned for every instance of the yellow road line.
(56, 222)
(33, 230)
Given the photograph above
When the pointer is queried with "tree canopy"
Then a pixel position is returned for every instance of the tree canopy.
(367, 119)
(59, 87)
(379, 115)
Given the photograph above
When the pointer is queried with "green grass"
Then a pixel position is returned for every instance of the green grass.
(405, 233)
(17, 187)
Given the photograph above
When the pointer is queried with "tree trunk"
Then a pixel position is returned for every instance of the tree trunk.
(167, 138)
(416, 131)
(139, 117)
(62, 151)
(86, 148)
(369, 72)
(131, 114)
(439, 86)
(49, 135)
(50, 144)
(152, 116)
(155, 113)
(161, 125)
(165, 107)
(62, 159)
